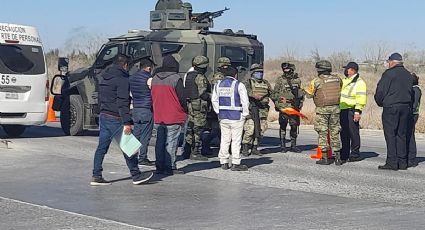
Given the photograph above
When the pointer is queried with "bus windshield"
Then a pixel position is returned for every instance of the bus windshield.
(21, 59)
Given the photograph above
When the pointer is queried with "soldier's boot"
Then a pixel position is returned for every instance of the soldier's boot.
(283, 148)
(294, 147)
(196, 154)
(245, 150)
(325, 158)
(187, 150)
(338, 160)
(255, 151)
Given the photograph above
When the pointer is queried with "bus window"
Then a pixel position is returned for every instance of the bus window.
(22, 59)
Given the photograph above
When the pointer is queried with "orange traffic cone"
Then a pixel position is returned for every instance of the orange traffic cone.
(51, 117)
(319, 152)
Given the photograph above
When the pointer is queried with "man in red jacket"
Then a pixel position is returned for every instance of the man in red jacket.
(169, 109)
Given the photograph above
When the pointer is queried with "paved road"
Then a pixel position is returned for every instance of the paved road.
(44, 185)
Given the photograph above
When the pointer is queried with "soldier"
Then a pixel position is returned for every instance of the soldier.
(287, 93)
(197, 91)
(325, 91)
(212, 119)
(188, 6)
(259, 91)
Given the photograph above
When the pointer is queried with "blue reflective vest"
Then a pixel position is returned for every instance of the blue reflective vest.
(229, 100)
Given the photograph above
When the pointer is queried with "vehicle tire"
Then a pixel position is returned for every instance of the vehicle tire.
(14, 130)
(72, 115)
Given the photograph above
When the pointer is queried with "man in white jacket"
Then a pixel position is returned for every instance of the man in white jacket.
(230, 102)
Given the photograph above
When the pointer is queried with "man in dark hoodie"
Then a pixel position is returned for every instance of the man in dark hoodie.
(114, 100)
(170, 114)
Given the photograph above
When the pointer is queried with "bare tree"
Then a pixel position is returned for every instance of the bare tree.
(375, 54)
(290, 54)
(83, 41)
(340, 59)
(315, 55)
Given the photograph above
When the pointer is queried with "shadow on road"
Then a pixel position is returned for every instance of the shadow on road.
(250, 162)
(277, 149)
(366, 155)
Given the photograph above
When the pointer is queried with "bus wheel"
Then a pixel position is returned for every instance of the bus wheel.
(72, 115)
(14, 130)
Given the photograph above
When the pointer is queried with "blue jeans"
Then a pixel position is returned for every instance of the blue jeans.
(167, 137)
(143, 126)
(109, 127)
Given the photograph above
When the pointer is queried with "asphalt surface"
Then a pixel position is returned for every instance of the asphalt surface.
(44, 184)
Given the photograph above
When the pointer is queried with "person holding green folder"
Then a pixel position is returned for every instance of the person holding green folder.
(114, 100)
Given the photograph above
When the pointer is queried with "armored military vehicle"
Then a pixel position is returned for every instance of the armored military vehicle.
(175, 30)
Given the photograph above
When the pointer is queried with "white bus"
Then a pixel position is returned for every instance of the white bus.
(24, 84)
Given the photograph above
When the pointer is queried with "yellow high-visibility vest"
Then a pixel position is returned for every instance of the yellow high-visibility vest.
(353, 93)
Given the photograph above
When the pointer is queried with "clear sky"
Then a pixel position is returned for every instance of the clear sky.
(300, 25)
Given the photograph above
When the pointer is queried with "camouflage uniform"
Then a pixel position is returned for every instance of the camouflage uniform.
(288, 86)
(256, 87)
(325, 90)
(197, 90)
(212, 120)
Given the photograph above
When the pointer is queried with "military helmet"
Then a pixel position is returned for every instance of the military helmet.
(200, 61)
(187, 5)
(323, 65)
(256, 68)
(224, 61)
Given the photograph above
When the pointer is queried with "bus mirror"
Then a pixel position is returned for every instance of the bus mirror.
(57, 83)
(63, 64)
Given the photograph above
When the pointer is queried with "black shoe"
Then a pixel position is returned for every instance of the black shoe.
(147, 162)
(198, 157)
(239, 168)
(143, 177)
(295, 149)
(255, 151)
(225, 166)
(354, 159)
(387, 167)
(325, 161)
(245, 150)
(96, 181)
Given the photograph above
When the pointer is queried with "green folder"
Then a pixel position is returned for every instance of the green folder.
(128, 144)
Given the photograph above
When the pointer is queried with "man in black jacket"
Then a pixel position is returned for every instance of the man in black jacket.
(114, 100)
(394, 94)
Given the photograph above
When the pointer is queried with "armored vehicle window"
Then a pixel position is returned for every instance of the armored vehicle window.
(177, 16)
(237, 55)
(137, 50)
(107, 55)
(167, 48)
(156, 17)
(21, 59)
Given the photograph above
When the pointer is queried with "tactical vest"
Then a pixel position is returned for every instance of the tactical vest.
(191, 89)
(288, 85)
(259, 88)
(328, 92)
(229, 100)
